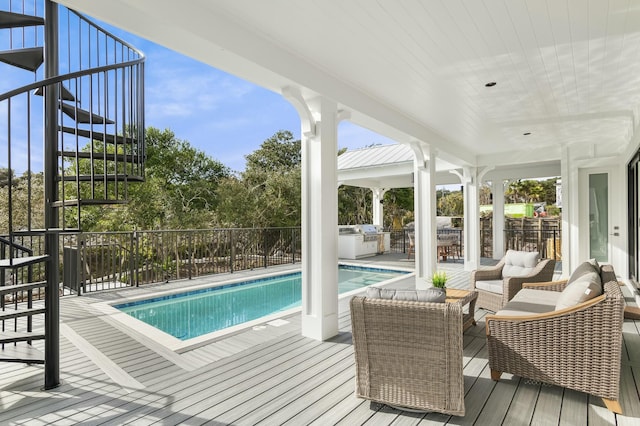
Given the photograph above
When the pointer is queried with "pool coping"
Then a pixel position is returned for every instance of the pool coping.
(135, 327)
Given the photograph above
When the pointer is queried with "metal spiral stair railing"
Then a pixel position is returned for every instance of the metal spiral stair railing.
(76, 134)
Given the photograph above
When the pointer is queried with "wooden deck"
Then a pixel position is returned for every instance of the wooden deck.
(269, 375)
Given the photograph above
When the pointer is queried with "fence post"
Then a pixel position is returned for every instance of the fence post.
(482, 239)
(404, 240)
(540, 247)
(131, 254)
(80, 263)
(136, 258)
(189, 252)
(293, 245)
(264, 246)
(232, 251)
(2, 273)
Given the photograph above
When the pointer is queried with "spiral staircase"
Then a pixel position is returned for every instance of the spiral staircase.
(70, 138)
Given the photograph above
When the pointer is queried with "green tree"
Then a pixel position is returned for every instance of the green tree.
(179, 191)
(281, 152)
(451, 204)
(267, 193)
(524, 191)
(24, 215)
(398, 204)
(549, 190)
(485, 194)
(354, 205)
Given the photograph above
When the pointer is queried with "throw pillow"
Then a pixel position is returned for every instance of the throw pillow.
(582, 289)
(428, 295)
(583, 269)
(519, 263)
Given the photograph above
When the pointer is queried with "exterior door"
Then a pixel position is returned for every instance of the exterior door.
(633, 219)
(602, 235)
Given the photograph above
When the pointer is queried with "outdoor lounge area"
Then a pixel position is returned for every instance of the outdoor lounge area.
(273, 375)
(475, 96)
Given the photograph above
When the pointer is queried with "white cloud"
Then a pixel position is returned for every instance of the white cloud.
(190, 89)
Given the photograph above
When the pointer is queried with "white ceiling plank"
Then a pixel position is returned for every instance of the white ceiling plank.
(568, 71)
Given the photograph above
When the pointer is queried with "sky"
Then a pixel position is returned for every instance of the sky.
(218, 113)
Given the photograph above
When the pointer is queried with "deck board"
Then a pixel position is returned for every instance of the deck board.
(216, 380)
(495, 409)
(336, 412)
(277, 378)
(548, 405)
(275, 398)
(273, 375)
(328, 402)
(573, 408)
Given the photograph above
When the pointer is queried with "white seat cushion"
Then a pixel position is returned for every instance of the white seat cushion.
(492, 286)
(531, 302)
(428, 295)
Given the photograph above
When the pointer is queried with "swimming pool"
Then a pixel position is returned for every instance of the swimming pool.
(195, 313)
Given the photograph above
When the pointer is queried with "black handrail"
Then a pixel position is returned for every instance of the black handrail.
(10, 243)
(61, 78)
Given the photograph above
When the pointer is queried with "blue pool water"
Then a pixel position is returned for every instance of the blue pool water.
(191, 314)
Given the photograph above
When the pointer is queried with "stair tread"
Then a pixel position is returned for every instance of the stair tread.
(76, 202)
(98, 136)
(18, 336)
(99, 178)
(40, 232)
(18, 20)
(66, 94)
(84, 116)
(21, 353)
(29, 58)
(5, 315)
(8, 289)
(100, 156)
(18, 262)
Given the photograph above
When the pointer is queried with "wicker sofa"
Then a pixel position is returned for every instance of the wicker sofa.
(498, 284)
(409, 353)
(536, 336)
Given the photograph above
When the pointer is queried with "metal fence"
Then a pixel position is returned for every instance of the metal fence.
(94, 261)
(108, 260)
(400, 239)
(547, 241)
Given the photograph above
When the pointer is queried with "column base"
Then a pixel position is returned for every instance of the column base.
(320, 328)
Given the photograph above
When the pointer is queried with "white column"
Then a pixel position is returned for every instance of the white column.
(425, 213)
(497, 189)
(569, 213)
(319, 215)
(378, 206)
(471, 218)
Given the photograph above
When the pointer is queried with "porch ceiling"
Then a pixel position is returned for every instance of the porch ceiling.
(568, 73)
(391, 166)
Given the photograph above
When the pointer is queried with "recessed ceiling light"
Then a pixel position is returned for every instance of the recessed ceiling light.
(526, 133)
(490, 84)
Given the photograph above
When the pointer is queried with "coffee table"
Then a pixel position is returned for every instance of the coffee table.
(466, 297)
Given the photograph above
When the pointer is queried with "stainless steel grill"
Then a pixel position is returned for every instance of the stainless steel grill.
(369, 232)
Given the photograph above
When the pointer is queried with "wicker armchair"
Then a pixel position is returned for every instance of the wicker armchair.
(499, 289)
(409, 354)
(577, 347)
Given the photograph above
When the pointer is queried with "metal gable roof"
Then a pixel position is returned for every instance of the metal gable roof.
(375, 156)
